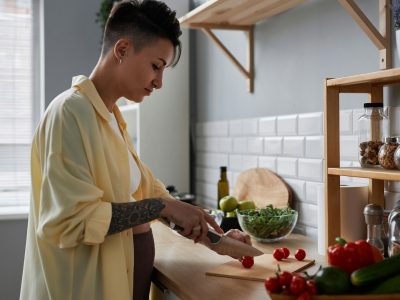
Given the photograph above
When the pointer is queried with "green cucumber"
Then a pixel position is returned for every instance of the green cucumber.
(389, 286)
(376, 272)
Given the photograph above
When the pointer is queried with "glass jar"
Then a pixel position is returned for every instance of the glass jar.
(371, 127)
(394, 231)
(386, 153)
(397, 155)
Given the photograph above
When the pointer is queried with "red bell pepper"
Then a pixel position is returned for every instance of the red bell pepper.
(352, 255)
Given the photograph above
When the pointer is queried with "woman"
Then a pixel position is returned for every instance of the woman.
(87, 179)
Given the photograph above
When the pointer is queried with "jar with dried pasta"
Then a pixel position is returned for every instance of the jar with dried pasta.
(386, 153)
(372, 126)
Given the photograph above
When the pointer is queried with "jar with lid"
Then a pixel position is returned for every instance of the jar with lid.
(371, 128)
(394, 230)
(386, 153)
(397, 154)
(373, 214)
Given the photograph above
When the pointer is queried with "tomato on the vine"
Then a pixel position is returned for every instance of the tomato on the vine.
(286, 252)
(297, 285)
(278, 254)
(311, 287)
(248, 261)
(300, 254)
(272, 285)
(285, 278)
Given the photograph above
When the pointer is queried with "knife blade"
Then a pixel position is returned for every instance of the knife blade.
(226, 245)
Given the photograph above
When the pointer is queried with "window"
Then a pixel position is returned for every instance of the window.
(17, 102)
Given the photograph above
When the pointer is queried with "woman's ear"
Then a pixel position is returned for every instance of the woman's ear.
(121, 48)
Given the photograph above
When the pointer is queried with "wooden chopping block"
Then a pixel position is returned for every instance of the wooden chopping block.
(263, 187)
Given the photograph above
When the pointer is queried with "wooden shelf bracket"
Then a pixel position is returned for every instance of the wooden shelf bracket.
(382, 37)
(247, 72)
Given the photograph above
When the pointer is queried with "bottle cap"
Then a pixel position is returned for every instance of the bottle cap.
(373, 214)
(366, 105)
(223, 169)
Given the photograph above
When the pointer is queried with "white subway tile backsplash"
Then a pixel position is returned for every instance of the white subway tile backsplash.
(225, 145)
(357, 113)
(298, 188)
(250, 127)
(240, 145)
(346, 122)
(313, 191)
(310, 169)
(287, 125)
(349, 147)
(287, 167)
(314, 147)
(267, 162)
(293, 146)
(235, 162)
(290, 145)
(267, 126)
(273, 145)
(211, 144)
(310, 124)
(215, 160)
(219, 128)
(249, 162)
(236, 128)
(308, 214)
(255, 145)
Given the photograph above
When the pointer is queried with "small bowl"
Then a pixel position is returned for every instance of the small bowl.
(267, 229)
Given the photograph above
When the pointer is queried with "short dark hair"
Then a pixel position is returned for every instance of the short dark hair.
(142, 21)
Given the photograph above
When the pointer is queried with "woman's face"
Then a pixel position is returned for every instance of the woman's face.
(141, 72)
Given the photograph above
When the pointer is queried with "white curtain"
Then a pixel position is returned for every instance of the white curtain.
(16, 109)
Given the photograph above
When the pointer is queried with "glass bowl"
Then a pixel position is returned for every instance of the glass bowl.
(266, 227)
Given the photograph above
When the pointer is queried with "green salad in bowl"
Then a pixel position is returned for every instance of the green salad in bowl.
(268, 224)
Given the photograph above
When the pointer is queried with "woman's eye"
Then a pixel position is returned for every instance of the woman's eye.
(155, 67)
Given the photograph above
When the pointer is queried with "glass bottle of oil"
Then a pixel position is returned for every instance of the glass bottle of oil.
(223, 185)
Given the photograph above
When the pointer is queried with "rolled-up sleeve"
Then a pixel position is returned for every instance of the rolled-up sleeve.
(72, 208)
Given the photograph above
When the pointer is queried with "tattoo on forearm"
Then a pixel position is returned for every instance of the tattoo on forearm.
(130, 214)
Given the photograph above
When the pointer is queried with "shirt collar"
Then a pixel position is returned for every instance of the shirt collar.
(86, 86)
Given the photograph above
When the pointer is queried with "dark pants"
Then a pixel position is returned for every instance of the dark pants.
(143, 264)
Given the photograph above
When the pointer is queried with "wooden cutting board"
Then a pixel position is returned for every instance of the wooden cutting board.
(263, 187)
(264, 266)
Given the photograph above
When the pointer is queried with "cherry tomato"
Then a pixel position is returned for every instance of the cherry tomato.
(286, 252)
(297, 285)
(285, 278)
(247, 261)
(304, 296)
(300, 254)
(278, 254)
(272, 285)
(311, 287)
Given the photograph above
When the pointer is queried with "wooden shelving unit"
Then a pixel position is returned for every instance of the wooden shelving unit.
(243, 15)
(371, 84)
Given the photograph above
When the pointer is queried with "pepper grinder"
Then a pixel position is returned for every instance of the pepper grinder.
(373, 214)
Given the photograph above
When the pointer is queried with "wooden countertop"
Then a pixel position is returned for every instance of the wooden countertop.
(181, 265)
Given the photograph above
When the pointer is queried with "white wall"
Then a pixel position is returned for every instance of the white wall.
(164, 120)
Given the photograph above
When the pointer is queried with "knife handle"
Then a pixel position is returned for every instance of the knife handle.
(213, 236)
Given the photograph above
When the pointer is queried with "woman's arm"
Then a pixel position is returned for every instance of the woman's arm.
(130, 214)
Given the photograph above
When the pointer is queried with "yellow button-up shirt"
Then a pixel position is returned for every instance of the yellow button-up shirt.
(78, 166)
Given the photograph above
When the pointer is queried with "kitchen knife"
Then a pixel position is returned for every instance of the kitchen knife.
(226, 245)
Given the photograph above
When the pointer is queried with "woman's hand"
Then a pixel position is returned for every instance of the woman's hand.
(234, 234)
(192, 219)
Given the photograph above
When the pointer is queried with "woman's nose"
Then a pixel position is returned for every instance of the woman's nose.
(157, 83)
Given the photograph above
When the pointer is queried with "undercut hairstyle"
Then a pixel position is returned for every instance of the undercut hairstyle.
(143, 22)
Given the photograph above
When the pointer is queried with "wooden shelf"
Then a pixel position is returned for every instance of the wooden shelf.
(372, 173)
(384, 77)
(235, 13)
